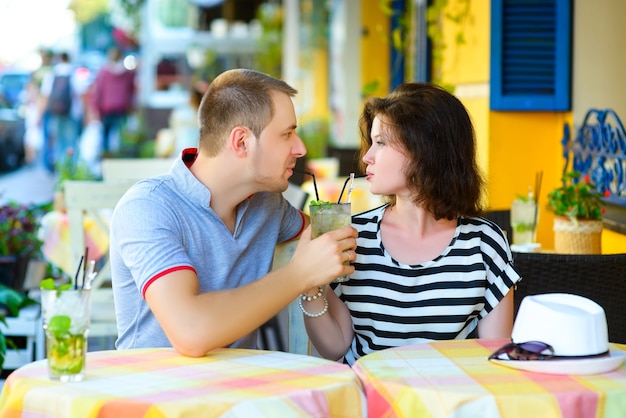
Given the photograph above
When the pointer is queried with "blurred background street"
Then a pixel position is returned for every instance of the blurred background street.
(29, 184)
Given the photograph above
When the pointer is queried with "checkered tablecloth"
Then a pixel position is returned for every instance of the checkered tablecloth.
(161, 383)
(455, 379)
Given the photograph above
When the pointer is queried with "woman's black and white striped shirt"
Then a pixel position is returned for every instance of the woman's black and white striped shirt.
(394, 304)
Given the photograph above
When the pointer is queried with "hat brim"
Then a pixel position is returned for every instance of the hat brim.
(592, 365)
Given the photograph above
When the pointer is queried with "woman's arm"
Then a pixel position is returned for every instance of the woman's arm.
(499, 322)
(330, 333)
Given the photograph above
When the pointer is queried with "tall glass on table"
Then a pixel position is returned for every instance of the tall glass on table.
(326, 217)
(524, 217)
(66, 319)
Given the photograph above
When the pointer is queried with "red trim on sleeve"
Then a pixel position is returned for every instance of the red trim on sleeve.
(161, 274)
(301, 228)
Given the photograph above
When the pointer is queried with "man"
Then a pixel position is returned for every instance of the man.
(191, 249)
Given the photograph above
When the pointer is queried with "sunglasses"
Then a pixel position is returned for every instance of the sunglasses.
(534, 350)
(529, 350)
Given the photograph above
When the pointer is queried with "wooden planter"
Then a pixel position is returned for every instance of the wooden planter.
(582, 237)
(13, 270)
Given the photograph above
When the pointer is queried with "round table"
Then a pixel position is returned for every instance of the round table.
(161, 383)
(454, 378)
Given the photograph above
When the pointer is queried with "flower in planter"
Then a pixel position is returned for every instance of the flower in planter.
(577, 198)
(18, 228)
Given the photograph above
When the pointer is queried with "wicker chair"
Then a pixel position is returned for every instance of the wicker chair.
(601, 278)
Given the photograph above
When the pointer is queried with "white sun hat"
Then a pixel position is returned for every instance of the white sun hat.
(574, 326)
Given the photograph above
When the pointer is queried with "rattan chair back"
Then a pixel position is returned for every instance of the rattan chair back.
(601, 278)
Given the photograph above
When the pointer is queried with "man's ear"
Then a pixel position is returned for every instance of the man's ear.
(239, 137)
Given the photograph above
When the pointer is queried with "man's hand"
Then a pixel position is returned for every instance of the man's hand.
(322, 259)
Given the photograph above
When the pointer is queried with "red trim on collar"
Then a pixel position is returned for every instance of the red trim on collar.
(189, 155)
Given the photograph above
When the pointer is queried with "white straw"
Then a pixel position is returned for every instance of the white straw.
(351, 187)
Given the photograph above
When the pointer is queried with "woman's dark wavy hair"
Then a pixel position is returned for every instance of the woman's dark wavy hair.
(434, 130)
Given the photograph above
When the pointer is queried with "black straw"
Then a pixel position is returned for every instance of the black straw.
(80, 263)
(538, 180)
(86, 262)
(317, 196)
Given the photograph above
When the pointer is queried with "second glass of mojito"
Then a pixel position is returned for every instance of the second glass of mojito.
(524, 221)
(66, 318)
(327, 217)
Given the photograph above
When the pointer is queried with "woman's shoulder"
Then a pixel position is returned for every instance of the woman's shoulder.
(480, 223)
(369, 215)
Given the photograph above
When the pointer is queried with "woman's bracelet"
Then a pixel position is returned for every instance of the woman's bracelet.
(319, 294)
(313, 315)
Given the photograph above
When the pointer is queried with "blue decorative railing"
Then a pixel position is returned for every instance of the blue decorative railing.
(599, 149)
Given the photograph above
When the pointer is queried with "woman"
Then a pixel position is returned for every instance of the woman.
(427, 266)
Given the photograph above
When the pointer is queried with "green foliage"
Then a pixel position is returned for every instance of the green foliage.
(134, 141)
(14, 301)
(87, 10)
(315, 134)
(577, 198)
(72, 169)
(319, 202)
(50, 284)
(435, 13)
(132, 10)
(270, 51)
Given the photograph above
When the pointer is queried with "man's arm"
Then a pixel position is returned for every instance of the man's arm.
(196, 323)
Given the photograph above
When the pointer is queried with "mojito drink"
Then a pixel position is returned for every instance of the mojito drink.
(327, 217)
(524, 221)
(66, 316)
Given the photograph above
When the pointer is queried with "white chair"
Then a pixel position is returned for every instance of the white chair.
(96, 200)
(125, 169)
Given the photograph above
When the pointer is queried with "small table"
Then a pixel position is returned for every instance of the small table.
(162, 383)
(454, 378)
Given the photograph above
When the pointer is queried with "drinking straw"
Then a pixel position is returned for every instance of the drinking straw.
(345, 183)
(80, 263)
(351, 187)
(538, 179)
(317, 196)
(91, 274)
(86, 258)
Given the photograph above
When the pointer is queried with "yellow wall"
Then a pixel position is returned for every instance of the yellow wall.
(512, 146)
(521, 145)
(375, 46)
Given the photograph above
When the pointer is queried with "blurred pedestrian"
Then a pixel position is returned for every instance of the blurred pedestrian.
(113, 97)
(36, 116)
(59, 89)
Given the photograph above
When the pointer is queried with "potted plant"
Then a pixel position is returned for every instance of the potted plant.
(578, 209)
(19, 224)
(18, 229)
(11, 302)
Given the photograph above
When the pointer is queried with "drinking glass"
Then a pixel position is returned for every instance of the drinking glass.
(327, 217)
(524, 221)
(66, 318)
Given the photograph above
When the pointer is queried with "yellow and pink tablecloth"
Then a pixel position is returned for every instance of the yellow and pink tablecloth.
(455, 379)
(157, 383)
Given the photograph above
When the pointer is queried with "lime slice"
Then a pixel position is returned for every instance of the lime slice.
(59, 324)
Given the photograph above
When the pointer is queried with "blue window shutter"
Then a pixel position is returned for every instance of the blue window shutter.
(531, 42)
